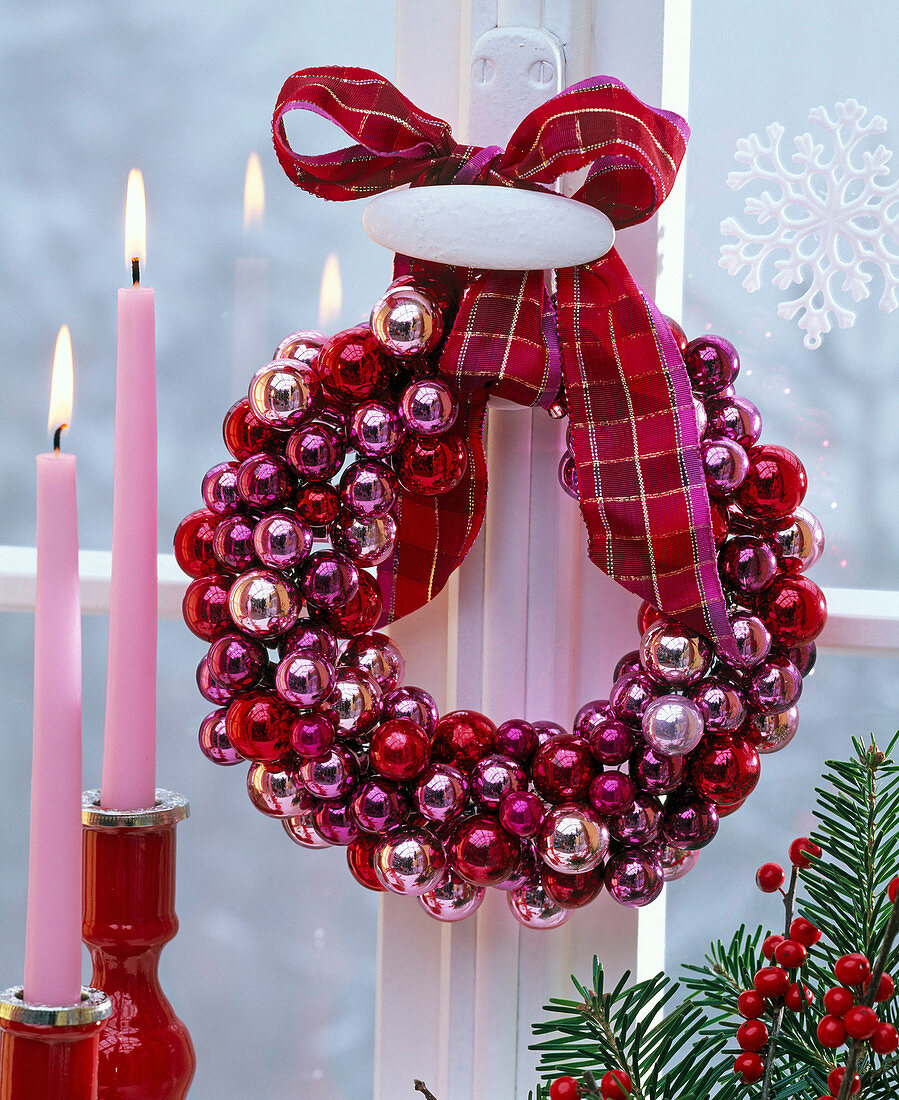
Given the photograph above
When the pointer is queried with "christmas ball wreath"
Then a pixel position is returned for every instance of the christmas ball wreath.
(357, 483)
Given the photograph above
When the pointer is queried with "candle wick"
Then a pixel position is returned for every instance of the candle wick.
(57, 435)
(135, 270)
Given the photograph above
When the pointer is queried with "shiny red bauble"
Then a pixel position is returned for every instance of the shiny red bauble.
(860, 1022)
(752, 1035)
(769, 877)
(852, 969)
(794, 610)
(565, 1088)
(481, 851)
(885, 1039)
(360, 857)
(646, 616)
(258, 726)
(463, 737)
(431, 465)
(800, 850)
(400, 749)
(749, 1067)
(573, 891)
(360, 613)
(245, 434)
(205, 606)
(615, 1085)
(725, 769)
(193, 543)
(835, 1080)
(831, 1032)
(318, 504)
(352, 366)
(775, 485)
(798, 997)
(563, 769)
(803, 931)
(750, 1004)
(771, 981)
(838, 1000)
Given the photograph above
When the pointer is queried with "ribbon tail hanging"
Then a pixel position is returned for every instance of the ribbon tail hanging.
(640, 475)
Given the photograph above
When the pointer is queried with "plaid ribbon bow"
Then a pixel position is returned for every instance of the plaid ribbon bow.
(640, 475)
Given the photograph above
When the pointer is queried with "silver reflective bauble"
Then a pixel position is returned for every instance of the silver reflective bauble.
(301, 830)
(773, 732)
(531, 906)
(572, 839)
(379, 656)
(676, 862)
(329, 776)
(454, 899)
(802, 540)
(672, 725)
(275, 792)
(303, 346)
(753, 639)
(264, 603)
(672, 654)
(282, 392)
(406, 322)
(410, 862)
(354, 702)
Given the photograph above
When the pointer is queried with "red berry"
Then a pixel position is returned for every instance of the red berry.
(835, 1079)
(752, 1035)
(790, 954)
(885, 1039)
(852, 969)
(771, 981)
(804, 932)
(838, 1000)
(769, 877)
(861, 1022)
(801, 849)
(893, 890)
(564, 1088)
(885, 988)
(771, 944)
(831, 1032)
(750, 1004)
(797, 997)
(749, 1066)
(615, 1085)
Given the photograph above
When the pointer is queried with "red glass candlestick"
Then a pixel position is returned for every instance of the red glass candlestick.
(50, 1051)
(129, 916)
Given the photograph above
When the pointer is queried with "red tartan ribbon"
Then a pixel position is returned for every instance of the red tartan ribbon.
(640, 475)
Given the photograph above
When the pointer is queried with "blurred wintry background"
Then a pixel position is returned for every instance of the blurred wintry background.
(274, 968)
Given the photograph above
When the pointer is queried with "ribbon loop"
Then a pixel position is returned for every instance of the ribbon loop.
(634, 434)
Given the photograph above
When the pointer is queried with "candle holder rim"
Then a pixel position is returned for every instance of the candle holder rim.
(170, 808)
(94, 1007)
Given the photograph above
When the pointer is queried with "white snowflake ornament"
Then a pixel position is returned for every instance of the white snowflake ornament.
(834, 216)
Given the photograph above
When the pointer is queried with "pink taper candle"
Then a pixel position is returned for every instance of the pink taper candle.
(53, 926)
(129, 744)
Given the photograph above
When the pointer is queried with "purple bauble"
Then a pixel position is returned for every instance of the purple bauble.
(214, 743)
(304, 679)
(610, 741)
(712, 363)
(413, 703)
(378, 805)
(630, 696)
(315, 451)
(376, 429)
(774, 686)
(329, 579)
(568, 475)
(368, 489)
(211, 690)
(747, 563)
(219, 489)
(379, 656)
(734, 418)
(672, 725)
(689, 822)
(440, 792)
(453, 900)
(369, 542)
(410, 862)
(281, 539)
(237, 662)
(531, 906)
(804, 657)
(330, 776)
(316, 638)
(428, 407)
(726, 465)
(518, 739)
(232, 543)
(612, 793)
(334, 821)
(634, 877)
(265, 481)
(654, 772)
(640, 824)
(753, 639)
(521, 813)
(494, 776)
(312, 734)
(722, 706)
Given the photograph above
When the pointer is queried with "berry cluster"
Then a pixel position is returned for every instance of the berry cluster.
(333, 435)
(777, 988)
(614, 1085)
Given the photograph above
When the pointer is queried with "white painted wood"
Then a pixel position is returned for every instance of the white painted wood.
(488, 227)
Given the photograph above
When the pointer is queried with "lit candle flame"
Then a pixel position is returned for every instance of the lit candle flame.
(62, 383)
(253, 193)
(135, 218)
(330, 300)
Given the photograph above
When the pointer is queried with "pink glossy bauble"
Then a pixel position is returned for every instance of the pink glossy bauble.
(521, 813)
(634, 877)
(232, 543)
(414, 703)
(734, 418)
(672, 725)
(721, 705)
(265, 481)
(572, 839)
(312, 734)
(379, 656)
(428, 407)
(481, 851)
(533, 908)
(612, 793)
(610, 741)
(263, 602)
(376, 429)
(753, 639)
(747, 564)
(453, 900)
(281, 540)
(726, 465)
(640, 823)
(282, 393)
(656, 772)
(237, 662)
(329, 579)
(275, 792)
(378, 805)
(301, 830)
(368, 489)
(334, 821)
(773, 732)
(516, 738)
(676, 862)
(310, 636)
(672, 655)
(406, 322)
(630, 696)
(689, 821)
(211, 690)
(368, 542)
(712, 363)
(331, 775)
(219, 489)
(440, 792)
(495, 776)
(774, 685)
(410, 862)
(214, 743)
(315, 452)
(354, 703)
